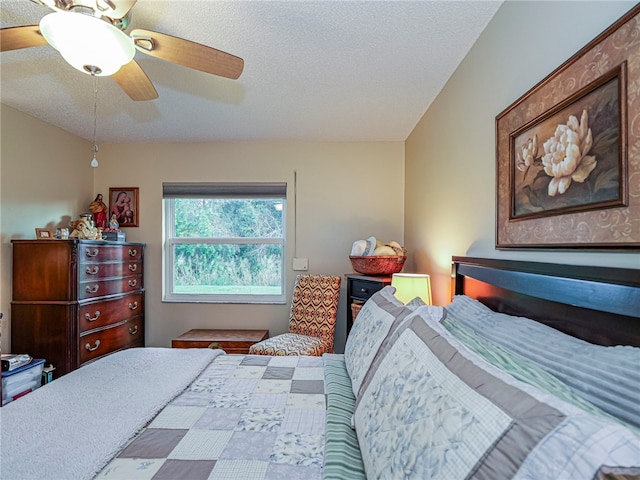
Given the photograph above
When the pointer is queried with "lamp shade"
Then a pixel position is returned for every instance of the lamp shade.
(411, 285)
(88, 44)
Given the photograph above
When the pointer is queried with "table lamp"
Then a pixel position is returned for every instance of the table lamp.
(411, 285)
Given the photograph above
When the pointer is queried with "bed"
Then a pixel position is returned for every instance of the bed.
(530, 372)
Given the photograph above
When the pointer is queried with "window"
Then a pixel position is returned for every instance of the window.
(224, 242)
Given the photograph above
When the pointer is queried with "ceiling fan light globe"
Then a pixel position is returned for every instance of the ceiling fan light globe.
(88, 44)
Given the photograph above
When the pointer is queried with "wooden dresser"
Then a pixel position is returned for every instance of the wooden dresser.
(76, 300)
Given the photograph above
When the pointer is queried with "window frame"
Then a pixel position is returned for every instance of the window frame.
(217, 190)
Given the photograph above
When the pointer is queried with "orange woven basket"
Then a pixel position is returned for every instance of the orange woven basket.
(378, 265)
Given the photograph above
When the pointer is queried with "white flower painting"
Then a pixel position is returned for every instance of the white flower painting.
(565, 154)
(570, 160)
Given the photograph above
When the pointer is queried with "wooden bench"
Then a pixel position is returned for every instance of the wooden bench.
(231, 341)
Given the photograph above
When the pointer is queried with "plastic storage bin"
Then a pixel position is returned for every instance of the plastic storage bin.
(21, 380)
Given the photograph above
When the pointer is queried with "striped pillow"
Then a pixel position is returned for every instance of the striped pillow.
(521, 369)
(342, 453)
(607, 377)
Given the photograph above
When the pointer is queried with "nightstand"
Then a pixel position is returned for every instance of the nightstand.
(359, 290)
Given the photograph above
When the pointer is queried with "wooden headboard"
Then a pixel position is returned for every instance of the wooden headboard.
(598, 304)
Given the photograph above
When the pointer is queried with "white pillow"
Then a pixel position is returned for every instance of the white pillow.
(375, 319)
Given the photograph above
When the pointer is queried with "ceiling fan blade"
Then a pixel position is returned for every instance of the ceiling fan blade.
(14, 38)
(135, 83)
(187, 53)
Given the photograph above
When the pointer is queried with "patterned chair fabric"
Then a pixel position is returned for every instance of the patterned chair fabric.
(312, 323)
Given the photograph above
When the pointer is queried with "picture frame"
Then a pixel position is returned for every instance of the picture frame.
(45, 234)
(124, 204)
(563, 149)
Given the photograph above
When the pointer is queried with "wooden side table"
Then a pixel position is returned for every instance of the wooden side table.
(359, 290)
(231, 341)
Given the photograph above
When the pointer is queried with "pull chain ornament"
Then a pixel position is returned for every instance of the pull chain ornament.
(94, 160)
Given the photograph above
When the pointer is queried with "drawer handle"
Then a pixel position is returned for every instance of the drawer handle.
(133, 306)
(215, 345)
(92, 289)
(364, 290)
(94, 348)
(133, 330)
(92, 253)
(133, 253)
(133, 283)
(133, 267)
(94, 318)
(92, 270)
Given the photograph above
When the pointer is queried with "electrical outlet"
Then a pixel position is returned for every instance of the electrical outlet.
(301, 264)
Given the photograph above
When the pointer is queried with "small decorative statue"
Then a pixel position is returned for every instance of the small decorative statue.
(88, 219)
(99, 210)
(113, 223)
(83, 230)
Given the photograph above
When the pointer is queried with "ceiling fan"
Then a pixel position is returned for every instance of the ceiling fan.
(90, 35)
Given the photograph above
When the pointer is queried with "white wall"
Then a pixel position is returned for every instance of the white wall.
(450, 155)
(45, 181)
(346, 191)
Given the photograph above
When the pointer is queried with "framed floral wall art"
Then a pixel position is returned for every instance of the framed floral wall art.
(568, 151)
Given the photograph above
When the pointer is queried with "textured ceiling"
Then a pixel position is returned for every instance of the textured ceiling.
(314, 71)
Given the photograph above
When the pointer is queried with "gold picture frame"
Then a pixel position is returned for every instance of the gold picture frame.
(588, 201)
(45, 234)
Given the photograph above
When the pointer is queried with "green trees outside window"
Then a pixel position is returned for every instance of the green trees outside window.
(225, 249)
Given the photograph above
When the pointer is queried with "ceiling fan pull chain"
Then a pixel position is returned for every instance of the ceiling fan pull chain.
(94, 160)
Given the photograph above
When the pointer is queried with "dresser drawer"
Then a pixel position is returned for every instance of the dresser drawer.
(106, 253)
(100, 288)
(96, 344)
(99, 314)
(91, 270)
(364, 289)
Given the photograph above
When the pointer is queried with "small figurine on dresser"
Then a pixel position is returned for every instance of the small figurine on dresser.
(83, 229)
(113, 222)
(99, 210)
(113, 232)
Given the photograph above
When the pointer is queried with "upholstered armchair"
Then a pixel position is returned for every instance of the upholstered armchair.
(312, 323)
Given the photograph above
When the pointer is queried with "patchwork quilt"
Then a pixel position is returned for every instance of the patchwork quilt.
(244, 417)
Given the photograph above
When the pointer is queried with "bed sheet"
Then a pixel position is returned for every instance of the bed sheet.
(244, 417)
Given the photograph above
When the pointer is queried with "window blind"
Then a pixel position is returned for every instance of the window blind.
(224, 190)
